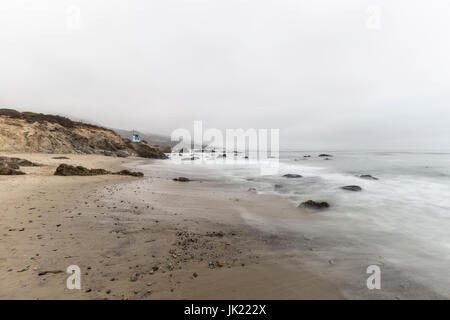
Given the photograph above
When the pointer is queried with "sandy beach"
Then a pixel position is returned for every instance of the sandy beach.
(144, 238)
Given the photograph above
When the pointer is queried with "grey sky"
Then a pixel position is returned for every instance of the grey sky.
(313, 69)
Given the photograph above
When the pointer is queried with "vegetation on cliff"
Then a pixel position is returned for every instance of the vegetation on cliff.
(37, 132)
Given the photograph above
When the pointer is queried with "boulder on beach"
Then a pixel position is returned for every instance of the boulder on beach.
(15, 163)
(10, 172)
(181, 179)
(315, 204)
(352, 188)
(122, 154)
(292, 175)
(368, 177)
(129, 173)
(68, 170)
(14, 166)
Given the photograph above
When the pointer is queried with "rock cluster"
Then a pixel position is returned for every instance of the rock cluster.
(315, 204)
(181, 179)
(68, 170)
(11, 166)
(292, 175)
(10, 172)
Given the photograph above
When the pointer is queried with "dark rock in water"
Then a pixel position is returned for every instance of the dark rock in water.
(62, 158)
(307, 156)
(352, 188)
(10, 172)
(181, 179)
(368, 177)
(315, 205)
(224, 155)
(68, 170)
(246, 157)
(129, 173)
(325, 155)
(292, 175)
(252, 189)
(278, 186)
(327, 159)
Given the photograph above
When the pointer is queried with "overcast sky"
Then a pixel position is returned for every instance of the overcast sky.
(347, 74)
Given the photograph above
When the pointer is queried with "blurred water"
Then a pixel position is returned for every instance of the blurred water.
(404, 216)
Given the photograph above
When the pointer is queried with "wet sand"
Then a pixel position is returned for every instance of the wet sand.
(144, 238)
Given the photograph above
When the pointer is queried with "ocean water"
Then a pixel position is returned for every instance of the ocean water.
(402, 219)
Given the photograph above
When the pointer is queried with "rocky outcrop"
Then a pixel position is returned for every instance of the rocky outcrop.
(36, 132)
(164, 149)
(367, 177)
(10, 166)
(129, 173)
(10, 172)
(68, 170)
(181, 179)
(315, 204)
(292, 175)
(141, 149)
(15, 163)
(352, 188)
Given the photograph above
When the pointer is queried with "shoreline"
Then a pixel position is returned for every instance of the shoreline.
(331, 245)
(142, 238)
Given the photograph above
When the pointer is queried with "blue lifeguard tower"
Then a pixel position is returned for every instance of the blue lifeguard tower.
(135, 137)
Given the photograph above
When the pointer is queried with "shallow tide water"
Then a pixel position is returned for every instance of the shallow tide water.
(401, 220)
